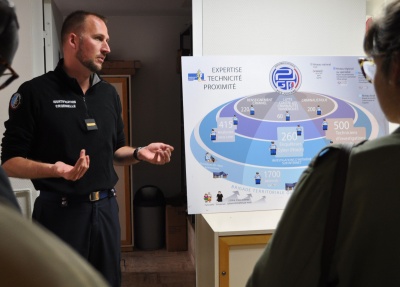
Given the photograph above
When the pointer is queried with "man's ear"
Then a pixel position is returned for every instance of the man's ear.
(73, 40)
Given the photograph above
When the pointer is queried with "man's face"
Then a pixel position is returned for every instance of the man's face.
(93, 44)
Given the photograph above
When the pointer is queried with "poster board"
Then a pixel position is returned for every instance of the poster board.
(253, 123)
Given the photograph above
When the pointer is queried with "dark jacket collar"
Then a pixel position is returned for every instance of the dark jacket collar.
(72, 82)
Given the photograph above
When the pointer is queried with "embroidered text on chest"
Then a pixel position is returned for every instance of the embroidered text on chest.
(63, 104)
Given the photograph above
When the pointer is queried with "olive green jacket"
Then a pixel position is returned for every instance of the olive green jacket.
(32, 256)
(367, 251)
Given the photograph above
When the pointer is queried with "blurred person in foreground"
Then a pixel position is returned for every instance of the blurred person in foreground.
(367, 250)
(30, 255)
(8, 47)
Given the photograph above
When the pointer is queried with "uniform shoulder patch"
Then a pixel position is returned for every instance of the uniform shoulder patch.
(328, 151)
(323, 154)
(15, 101)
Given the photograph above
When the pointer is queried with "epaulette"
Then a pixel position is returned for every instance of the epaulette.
(326, 151)
(322, 154)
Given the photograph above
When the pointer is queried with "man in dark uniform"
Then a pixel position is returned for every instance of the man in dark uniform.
(31, 255)
(56, 121)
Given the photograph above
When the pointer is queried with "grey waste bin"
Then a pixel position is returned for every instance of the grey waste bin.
(149, 218)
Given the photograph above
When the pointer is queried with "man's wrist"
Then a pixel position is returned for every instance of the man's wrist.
(136, 153)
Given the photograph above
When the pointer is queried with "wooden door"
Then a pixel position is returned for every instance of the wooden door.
(123, 186)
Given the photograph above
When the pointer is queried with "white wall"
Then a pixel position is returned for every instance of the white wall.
(283, 27)
(52, 26)
(375, 7)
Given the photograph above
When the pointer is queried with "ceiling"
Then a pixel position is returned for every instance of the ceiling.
(126, 7)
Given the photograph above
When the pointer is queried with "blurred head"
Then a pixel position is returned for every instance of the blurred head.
(8, 37)
(382, 45)
(383, 38)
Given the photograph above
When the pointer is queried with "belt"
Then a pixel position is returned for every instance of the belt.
(91, 197)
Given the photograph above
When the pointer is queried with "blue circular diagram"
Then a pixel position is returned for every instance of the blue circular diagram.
(267, 140)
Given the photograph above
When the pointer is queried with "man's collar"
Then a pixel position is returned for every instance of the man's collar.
(94, 78)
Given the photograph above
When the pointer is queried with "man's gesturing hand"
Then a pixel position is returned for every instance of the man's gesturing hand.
(73, 172)
(156, 153)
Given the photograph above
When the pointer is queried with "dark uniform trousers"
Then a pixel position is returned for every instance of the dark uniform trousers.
(90, 227)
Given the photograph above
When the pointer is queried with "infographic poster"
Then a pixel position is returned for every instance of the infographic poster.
(253, 123)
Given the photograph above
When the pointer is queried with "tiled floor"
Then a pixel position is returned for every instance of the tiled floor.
(158, 268)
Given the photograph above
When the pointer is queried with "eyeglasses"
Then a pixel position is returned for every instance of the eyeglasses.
(368, 68)
(8, 76)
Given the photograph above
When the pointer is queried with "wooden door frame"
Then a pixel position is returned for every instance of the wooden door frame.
(125, 83)
(225, 244)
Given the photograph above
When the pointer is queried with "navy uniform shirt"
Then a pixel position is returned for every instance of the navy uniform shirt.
(47, 123)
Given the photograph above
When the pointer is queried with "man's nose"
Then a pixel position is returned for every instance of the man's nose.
(106, 48)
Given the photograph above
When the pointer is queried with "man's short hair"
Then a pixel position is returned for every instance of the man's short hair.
(75, 21)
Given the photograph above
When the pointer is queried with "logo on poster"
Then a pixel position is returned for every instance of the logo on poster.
(199, 76)
(285, 78)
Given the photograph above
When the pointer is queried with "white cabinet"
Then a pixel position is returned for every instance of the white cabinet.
(229, 244)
